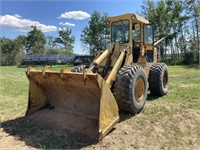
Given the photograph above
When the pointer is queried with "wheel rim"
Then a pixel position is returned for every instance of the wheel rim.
(139, 89)
(165, 80)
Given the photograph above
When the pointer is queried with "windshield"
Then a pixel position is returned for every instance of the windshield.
(120, 31)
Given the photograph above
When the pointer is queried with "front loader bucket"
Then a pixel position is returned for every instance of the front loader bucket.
(75, 102)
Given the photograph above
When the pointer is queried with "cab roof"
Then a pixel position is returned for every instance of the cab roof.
(128, 16)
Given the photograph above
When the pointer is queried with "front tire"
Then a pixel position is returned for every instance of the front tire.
(130, 89)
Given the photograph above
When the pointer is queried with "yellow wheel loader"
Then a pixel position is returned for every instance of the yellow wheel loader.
(87, 103)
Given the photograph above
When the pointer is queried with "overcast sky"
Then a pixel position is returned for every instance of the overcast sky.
(16, 16)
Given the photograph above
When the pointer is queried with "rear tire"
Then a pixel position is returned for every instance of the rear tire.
(130, 89)
(158, 79)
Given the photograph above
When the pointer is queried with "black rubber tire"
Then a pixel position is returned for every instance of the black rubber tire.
(125, 91)
(158, 79)
(79, 68)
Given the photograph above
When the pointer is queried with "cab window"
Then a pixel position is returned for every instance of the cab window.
(120, 31)
(136, 32)
(148, 34)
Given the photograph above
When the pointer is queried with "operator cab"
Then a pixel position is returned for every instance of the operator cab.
(135, 32)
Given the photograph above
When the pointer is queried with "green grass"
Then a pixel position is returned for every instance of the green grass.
(14, 91)
(165, 122)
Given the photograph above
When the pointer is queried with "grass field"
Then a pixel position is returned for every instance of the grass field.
(169, 122)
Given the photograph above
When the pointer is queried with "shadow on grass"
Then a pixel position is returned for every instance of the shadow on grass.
(40, 136)
(152, 97)
(125, 115)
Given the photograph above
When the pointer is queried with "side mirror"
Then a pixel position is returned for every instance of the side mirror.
(137, 27)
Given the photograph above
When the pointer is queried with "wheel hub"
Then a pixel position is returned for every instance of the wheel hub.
(139, 90)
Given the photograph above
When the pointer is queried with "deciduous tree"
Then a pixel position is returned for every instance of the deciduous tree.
(35, 41)
(66, 39)
(95, 35)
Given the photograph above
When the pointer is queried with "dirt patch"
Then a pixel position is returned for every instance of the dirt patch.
(172, 131)
(9, 142)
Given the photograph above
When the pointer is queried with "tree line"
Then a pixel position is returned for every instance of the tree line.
(35, 42)
(94, 36)
(179, 19)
